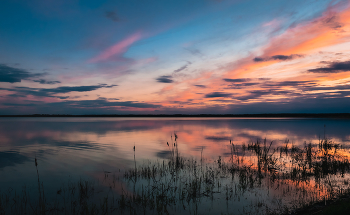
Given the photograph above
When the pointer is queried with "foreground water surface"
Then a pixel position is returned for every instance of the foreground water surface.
(240, 165)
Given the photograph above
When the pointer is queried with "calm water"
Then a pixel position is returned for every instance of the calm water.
(70, 149)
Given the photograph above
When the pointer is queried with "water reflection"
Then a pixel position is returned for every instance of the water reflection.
(74, 148)
(257, 177)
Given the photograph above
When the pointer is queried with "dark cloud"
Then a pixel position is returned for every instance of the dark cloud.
(264, 79)
(313, 91)
(265, 83)
(28, 104)
(242, 85)
(195, 52)
(248, 84)
(334, 94)
(16, 96)
(283, 57)
(189, 101)
(217, 94)
(292, 105)
(62, 97)
(332, 22)
(288, 83)
(296, 105)
(164, 79)
(200, 86)
(237, 80)
(12, 75)
(240, 80)
(255, 94)
(181, 68)
(333, 67)
(70, 106)
(50, 92)
(258, 59)
(277, 57)
(76, 88)
(104, 103)
(323, 88)
(43, 81)
(112, 16)
(24, 91)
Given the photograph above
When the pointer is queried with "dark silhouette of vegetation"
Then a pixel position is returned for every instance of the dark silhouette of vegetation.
(260, 115)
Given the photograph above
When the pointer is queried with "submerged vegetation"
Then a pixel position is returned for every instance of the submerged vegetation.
(258, 178)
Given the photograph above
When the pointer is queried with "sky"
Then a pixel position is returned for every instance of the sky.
(174, 57)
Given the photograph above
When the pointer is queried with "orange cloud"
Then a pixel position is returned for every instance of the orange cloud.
(330, 29)
(286, 57)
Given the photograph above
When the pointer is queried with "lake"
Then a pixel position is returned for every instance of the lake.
(234, 165)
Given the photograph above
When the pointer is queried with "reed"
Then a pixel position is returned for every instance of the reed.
(291, 177)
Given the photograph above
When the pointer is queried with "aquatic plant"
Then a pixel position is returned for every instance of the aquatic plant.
(262, 177)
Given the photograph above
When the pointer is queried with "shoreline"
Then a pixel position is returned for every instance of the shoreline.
(264, 115)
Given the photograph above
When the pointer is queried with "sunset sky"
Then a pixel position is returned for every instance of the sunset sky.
(183, 56)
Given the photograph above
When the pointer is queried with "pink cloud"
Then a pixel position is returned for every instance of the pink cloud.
(117, 49)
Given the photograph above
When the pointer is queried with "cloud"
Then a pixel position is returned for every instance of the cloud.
(181, 68)
(242, 85)
(12, 75)
(164, 79)
(24, 91)
(16, 95)
(332, 22)
(312, 35)
(217, 94)
(112, 16)
(117, 49)
(334, 67)
(297, 105)
(288, 84)
(62, 97)
(323, 88)
(237, 80)
(258, 59)
(254, 94)
(50, 92)
(200, 86)
(101, 103)
(43, 81)
(76, 88)
(195, 52)
(277, 57)
(266, 83)
(87, 104)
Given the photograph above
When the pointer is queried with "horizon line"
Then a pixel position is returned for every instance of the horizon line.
(259, 115)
